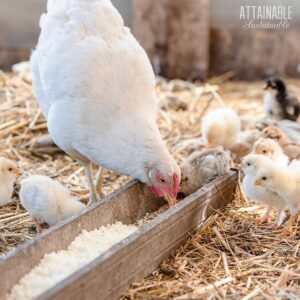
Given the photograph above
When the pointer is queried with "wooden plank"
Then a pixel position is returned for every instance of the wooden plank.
(108, 276)
(128, 204)
(133, 258)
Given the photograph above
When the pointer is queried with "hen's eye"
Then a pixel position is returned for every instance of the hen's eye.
(162, 180)
(264, 178)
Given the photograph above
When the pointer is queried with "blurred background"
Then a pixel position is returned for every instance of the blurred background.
(188, 39)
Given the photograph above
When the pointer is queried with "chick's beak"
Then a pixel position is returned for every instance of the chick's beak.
(258, 182)
(17, 172)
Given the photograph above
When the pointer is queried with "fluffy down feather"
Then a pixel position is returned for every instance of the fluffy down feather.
(200, 168)
(47, 200)
(244, 144)
(96, 87)
(8, 174)
(252, 164)
(291, 149)
(221, 127)
(271, 149)
(285, 182)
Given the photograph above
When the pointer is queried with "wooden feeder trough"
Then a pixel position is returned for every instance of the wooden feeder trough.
(110, 274)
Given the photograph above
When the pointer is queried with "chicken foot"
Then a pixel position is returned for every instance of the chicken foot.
(266, 216)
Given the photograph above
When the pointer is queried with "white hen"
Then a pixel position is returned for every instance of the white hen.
(48, 201)
(96, 87)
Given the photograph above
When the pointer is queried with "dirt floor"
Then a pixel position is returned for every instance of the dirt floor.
(231, 257)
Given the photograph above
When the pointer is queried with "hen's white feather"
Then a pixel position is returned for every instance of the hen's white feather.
(96, 87)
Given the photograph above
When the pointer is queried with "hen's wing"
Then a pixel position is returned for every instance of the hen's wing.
(98, 86)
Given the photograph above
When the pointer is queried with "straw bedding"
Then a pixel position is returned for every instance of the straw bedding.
(230, 257)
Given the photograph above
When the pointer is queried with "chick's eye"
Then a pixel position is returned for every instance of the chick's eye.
(264, 178)
(248, 164)
(10, 169)
(264, 151)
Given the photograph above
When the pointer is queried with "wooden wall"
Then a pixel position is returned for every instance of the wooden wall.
(253, 54)
(175, 34)
(183, 38)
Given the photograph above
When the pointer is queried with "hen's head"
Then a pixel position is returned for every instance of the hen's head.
(164, 181)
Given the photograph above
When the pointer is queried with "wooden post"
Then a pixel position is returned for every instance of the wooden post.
(175, 34)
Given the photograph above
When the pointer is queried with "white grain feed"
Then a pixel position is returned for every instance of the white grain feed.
(56, 266)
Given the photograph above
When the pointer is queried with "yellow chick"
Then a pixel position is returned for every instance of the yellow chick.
(221, 127)
(291, 149)
(244, 144)
(47, 200)
(251, 165)
(285, 181)
(8, 174)
(271, 149)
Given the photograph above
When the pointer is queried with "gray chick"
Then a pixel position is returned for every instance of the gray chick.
(201, 167)
(279, 103)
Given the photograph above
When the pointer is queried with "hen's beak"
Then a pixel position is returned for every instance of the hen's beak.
(258, 182)
(170, 199)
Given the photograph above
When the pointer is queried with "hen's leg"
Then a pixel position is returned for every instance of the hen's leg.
(88, 172)
(99, 181)
(266, 216)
